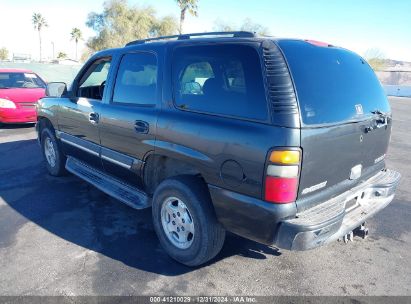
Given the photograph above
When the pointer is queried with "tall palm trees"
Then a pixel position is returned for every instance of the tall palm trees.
(186, 5)
(76, 35)
(39, 22)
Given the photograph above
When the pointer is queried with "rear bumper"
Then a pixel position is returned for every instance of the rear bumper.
(338, 216)
(280, 224)
(18, 115)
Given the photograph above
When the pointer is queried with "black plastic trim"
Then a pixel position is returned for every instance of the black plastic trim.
(249, 217)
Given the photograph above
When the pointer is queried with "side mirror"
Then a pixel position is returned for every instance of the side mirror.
(56, 89)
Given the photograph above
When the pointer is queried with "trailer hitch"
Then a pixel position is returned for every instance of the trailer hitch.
(361, 231)
(348, 237)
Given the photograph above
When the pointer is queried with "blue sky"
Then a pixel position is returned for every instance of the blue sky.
(357, 25)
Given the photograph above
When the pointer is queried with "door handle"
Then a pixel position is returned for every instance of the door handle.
(93, 117)
(141, 126)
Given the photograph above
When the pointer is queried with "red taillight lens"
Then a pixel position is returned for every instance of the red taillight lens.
(281, 190)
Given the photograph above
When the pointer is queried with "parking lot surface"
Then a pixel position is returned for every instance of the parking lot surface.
(61, 236)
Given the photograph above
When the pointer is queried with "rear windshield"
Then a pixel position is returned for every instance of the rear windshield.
(333, 85)
(20, 80)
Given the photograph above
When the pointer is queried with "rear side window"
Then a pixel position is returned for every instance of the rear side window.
(333, 85)
(220, 79)
(136, 81)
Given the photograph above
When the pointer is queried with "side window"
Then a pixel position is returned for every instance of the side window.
(220, 79)
(136, 81)
(92, 83)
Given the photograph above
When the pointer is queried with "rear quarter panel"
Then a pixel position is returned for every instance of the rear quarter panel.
(229, 153)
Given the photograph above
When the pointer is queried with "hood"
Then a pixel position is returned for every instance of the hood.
(23, 95)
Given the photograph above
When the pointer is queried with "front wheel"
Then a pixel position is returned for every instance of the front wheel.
(55, 159)
(185, 222)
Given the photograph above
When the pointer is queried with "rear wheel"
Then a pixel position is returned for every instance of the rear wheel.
(55, 159)
(185, 222)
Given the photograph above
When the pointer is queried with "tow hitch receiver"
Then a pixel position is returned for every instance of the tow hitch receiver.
(360, 231)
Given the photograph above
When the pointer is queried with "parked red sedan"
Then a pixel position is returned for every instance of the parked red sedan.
(19, 92)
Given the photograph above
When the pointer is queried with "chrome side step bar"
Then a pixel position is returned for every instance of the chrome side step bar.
(127, 194)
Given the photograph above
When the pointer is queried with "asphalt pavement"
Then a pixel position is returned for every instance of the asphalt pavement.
(61, 236)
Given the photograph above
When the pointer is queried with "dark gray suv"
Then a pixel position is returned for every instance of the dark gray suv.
(281, 141)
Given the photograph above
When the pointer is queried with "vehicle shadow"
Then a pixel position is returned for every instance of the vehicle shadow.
(17, 126)
(79, 213)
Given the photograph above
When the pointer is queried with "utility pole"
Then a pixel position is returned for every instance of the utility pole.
(52, 43)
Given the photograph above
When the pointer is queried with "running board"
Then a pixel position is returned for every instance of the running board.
(127, 194)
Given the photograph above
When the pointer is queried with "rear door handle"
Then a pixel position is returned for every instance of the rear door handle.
(93, 117)
(141, 126)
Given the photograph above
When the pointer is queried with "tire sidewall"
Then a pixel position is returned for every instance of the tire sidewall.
(176, 189)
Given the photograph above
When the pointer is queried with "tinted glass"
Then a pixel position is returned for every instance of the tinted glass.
(331, 83)
(93, 81)
(136, 81)
(221, 79)
(20, 80)
(97, 74)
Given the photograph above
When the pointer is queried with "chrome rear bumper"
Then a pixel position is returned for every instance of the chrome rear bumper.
(338, 216)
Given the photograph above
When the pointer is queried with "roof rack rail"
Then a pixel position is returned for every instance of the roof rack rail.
(237, 34)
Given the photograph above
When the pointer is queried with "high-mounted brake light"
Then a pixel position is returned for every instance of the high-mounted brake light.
(281, 179)
(318, 43)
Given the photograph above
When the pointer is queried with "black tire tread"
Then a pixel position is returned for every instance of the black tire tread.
(213, 230)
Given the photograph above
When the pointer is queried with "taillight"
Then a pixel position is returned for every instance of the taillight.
(281, 178)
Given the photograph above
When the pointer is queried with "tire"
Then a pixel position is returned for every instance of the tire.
(208, 234)
(56, 167)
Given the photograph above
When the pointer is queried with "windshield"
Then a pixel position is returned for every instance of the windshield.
(333, 85)
(20, 80)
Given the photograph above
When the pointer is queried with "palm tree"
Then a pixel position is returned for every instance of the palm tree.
(186, 5)
(76, 35)
(39, 23)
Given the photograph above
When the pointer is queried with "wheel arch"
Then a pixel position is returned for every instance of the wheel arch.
(158, 168)
(43, 122)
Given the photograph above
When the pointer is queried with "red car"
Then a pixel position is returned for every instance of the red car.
(19, 92)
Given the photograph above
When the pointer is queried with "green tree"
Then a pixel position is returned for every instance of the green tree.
(39, 22)
(76, 35)
(186, 6)
(375, 58)
(120, 23)
(4, 53)
(61, 55)
(247, 25)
